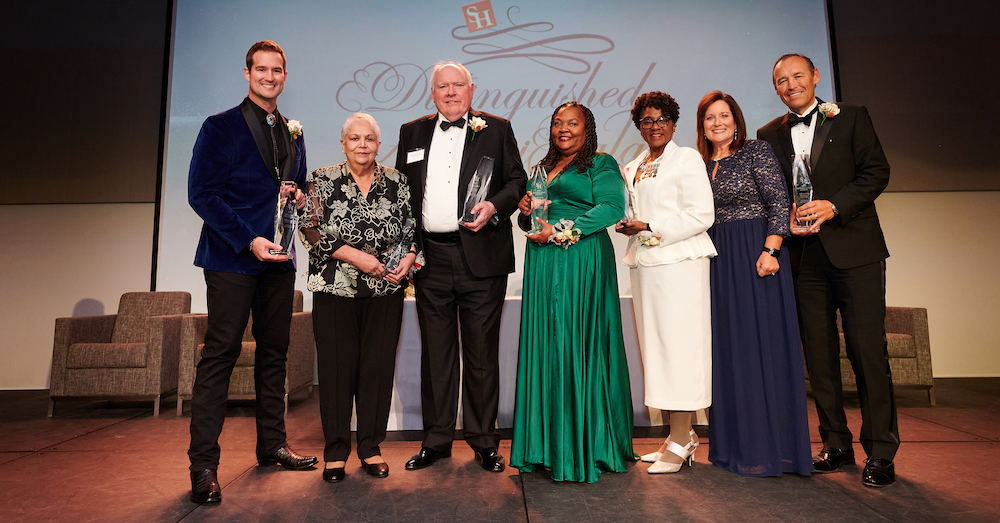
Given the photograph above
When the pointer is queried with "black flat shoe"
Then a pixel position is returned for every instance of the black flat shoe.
(288, 458)
(426, 457)
(490, 459)
(205, 487)
(832, 458)
(376, 470)
(878, 472)
(334, 475)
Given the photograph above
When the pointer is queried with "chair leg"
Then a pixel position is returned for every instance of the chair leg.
(52, 406)
(930, 396)
(180, 406)
(310, 390)
(286, 402)
(156, 406)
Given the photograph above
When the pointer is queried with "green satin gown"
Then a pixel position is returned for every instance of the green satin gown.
(573, 406)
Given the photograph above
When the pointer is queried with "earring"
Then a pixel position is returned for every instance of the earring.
(735, 132)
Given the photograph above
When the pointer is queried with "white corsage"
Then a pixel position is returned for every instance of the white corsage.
(477, 124)
(565, 233)
(828, 110)
(294, 129)
(648, 239)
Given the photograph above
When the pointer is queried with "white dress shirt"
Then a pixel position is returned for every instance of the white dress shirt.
(802, 134)
(444, 167)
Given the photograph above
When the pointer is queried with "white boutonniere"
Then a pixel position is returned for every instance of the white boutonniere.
(294, 129)
(565, 233)
(476, 124)
(648, 239)
(828, 110)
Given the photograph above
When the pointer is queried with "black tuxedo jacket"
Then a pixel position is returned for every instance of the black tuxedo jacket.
(849, 168)
(489, 252)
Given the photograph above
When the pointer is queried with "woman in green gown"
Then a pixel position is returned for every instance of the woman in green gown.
(573, 406)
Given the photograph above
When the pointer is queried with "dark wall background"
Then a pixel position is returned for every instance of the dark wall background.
(87, 81)
(927, 71)
(88, 78)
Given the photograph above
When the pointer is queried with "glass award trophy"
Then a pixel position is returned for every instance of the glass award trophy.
(286, 218)
(401, 248)
(479, 185)
(538, 186)
(802, 189)
(629, 207)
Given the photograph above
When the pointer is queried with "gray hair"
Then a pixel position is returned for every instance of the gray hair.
(450, 63)
(360, 117)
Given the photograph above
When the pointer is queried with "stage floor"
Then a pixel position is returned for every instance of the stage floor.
(101, 461)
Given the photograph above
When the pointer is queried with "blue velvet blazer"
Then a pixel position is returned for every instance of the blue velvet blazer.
(231, 188)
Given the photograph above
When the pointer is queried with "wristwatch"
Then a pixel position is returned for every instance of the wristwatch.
(772, 252)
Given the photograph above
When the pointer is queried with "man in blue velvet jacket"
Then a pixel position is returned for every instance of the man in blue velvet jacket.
(240, 159)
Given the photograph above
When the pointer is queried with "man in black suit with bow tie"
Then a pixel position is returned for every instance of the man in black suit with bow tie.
(461, 287)
(839, 264)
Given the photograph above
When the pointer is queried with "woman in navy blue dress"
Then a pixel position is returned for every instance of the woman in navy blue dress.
(757, 423)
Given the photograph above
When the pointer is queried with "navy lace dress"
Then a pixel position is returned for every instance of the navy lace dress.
(757, 423)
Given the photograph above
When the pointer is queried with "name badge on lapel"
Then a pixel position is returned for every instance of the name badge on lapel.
(415, 155)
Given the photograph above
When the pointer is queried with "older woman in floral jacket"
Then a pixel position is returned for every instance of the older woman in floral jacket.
(357, 226)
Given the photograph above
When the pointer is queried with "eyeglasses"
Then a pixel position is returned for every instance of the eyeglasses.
(647, 123)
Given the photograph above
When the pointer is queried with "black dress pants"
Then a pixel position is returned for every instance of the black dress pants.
(450, 300)
(859, 294)
(231, 298)
(356, 340)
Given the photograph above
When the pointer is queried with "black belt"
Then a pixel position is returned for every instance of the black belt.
(443, 237)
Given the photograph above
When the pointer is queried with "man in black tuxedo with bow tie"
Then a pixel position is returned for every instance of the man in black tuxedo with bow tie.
(461, 287)
(839, 264)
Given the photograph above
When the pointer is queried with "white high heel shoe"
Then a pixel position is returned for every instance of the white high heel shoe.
(653, 457)
(686, 453)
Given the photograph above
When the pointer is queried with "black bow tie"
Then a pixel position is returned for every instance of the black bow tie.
(445, 124)
(794, 119)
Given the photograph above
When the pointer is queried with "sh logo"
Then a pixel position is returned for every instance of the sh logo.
(479, 16)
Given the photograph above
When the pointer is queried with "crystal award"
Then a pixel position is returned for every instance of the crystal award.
(802, 189)
(629, 206)
(286, 218)
(479, 185)
(401, 248)
(538, 186)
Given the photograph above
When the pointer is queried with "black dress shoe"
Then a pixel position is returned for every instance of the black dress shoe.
(832, 458)
(376, 470)
(490, 459)
(205, 487)
(288, 458)
(878, 472)
(334, 475)
(426, 457)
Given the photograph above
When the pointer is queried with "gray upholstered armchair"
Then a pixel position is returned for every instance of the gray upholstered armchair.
(129, 354)
(909, 350)
(299, 367)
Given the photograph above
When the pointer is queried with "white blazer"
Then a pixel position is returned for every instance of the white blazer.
(676, 203)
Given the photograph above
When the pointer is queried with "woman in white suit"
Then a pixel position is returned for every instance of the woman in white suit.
(671, 207)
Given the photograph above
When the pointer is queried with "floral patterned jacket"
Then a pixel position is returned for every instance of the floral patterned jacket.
(336, 214)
